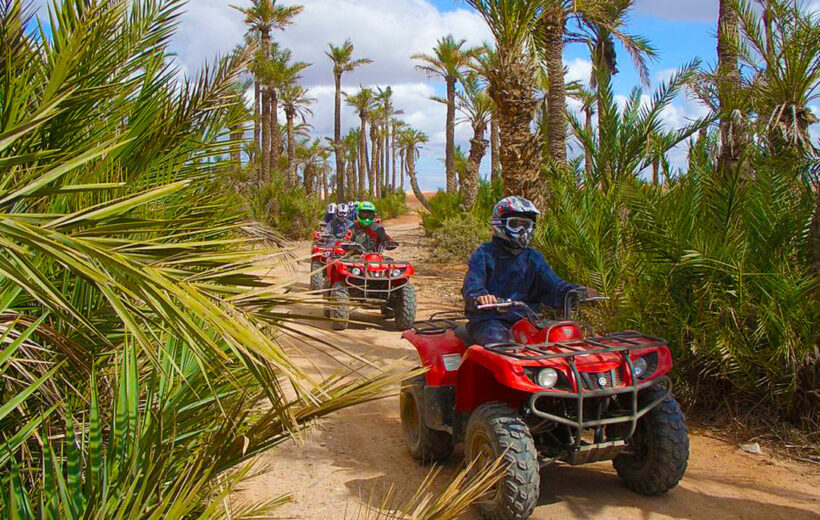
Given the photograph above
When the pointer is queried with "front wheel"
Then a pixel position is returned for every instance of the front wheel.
(425, 444)
(405, 306)
(496, 430)
(317, 276)
(340, 312)
(659, 448)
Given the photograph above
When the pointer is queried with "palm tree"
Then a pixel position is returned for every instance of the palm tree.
(342, 58)
(483, 65)
(375, 172)
(396, 126)
(385, 97)
(411, 141)
(511, 78)
(449, 60)
(588, 99)
(295, 102)
(263, 17)
(477, 107)
(279, 73)
(363, 102)
(310, 155)
(732, 131)
(351, 145)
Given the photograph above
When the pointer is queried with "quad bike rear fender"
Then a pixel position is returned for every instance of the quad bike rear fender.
(440, 352)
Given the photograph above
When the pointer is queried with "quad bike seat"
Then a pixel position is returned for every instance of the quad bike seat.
(463, 335)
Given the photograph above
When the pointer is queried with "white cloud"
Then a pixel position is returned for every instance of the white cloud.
(578, 70)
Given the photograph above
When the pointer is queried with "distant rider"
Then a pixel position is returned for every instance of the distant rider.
(330, 211)
(366, 232)
(341, 223)
(508, 268)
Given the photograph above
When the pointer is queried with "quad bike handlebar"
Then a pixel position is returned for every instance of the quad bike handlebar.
(572, 302)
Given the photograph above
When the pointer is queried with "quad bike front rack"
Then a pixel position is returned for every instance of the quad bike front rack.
(600, 450)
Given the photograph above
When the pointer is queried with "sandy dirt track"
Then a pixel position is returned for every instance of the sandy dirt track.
(357, 454)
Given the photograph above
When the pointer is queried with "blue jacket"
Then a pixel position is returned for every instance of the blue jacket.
(492, 269)
(338, 228)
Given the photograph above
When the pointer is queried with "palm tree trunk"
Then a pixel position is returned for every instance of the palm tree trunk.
(386, 146)
(732, 136)
(337, 140)
(515, 104)
(403, 167)
(656, 170)
(264, 178)
(325, 193)
(236, 152)
(276, 134)
(411, 171)
(256, 124)
(309, 179)
(393, 146)
(352, 191)
(291, 178)
(478, 147)
(449, 155)
(364, 165)
(375, 175)
(495, 143)
(814, 234)
(587, 151)
(553, 27)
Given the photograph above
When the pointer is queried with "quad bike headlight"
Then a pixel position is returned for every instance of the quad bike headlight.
(639, 367)
(547, 377)
(395, 273)
(356, 271)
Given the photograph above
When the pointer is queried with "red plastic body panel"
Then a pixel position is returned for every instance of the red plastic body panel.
(339, 270)
(485, 376)
(431, 348)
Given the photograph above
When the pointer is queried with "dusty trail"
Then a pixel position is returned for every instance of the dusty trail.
(357, 454)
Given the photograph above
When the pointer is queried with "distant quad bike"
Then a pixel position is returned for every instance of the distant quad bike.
(357, 277)
(322, 248)
(552, 395)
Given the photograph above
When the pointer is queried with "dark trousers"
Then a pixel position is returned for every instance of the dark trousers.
(489, 331)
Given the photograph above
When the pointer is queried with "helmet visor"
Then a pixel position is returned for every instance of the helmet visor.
(519, 224)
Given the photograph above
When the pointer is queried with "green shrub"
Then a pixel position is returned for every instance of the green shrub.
(458, 237)
(446, 206)
(289, 211)
(392, 205)
(717, 268)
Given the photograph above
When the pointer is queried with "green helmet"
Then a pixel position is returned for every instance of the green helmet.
(366, 213)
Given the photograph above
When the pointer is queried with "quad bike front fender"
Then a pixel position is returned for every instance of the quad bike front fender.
(486, 377)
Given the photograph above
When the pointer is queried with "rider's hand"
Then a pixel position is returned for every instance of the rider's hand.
(590, 293)
(486, 299)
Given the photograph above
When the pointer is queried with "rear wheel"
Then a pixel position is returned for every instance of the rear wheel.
(659, 449)
(340, 312)
(405, 306)
(425, 444)
(496, 430)
(317, 276)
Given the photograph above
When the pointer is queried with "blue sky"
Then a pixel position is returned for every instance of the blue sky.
(390, 31)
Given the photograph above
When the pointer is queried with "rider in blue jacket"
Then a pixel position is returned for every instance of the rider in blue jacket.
(507, 268)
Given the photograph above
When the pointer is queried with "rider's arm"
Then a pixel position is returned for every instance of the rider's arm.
(550, 287)
(383, 236)
(475, 281)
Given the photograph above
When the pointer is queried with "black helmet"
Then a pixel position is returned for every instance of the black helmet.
(514, 221)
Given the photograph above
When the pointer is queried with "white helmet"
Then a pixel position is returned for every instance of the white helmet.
(331, 208)
(342, 211)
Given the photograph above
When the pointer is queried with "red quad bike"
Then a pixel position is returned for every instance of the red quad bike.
(354, 275)
(552, 395)
(322, 248)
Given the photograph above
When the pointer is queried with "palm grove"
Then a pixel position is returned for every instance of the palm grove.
(139, 350)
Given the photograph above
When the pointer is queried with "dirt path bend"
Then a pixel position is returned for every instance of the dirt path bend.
(357, 454)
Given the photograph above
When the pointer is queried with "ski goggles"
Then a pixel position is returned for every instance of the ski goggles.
(515, 224)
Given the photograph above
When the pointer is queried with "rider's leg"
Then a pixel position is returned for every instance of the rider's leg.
(491, 331)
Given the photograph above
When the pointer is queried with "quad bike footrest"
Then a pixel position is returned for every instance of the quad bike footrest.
(598, 452)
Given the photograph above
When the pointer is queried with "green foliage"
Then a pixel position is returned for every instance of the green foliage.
(457, 233)
(391, 205)
(716, 266)
(288, 210)
(136, 345)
